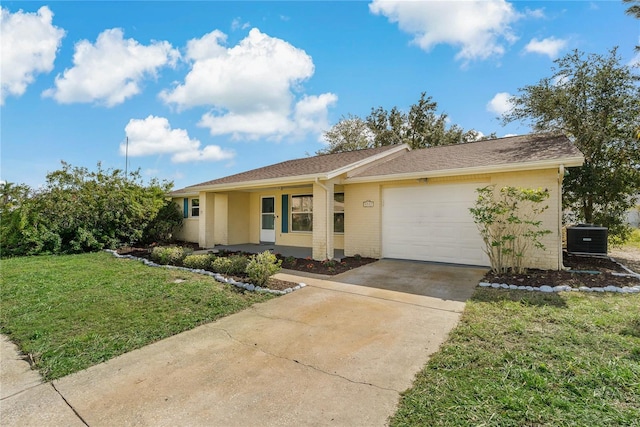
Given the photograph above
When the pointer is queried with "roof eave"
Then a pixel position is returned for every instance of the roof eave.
(367, 160)
(296, 179)
(259, 183)
(510, 167)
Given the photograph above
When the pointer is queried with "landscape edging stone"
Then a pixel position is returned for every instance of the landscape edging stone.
(216, 276)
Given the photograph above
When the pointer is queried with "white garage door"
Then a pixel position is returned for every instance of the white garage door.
(432, 223)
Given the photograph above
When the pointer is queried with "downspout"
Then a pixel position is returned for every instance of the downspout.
(560, 179)
(326, 237)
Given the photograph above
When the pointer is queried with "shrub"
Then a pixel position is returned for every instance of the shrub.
(172, 255)
(508, 221)
(167, 221)
(262, 266)
(238, 264)
(78, 210)
(230, 265)
(200, 262)
(221, 265)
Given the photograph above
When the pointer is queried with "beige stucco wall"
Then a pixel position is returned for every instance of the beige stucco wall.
(190, 226)
(238, 218)
(189, 230)
(363, 226)
(220, 219)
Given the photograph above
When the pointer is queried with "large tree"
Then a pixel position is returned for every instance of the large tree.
(422, 126)
(634, 10)
(349, 134)
(595, 100)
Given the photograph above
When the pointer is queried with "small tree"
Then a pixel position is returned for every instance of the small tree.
(509, 224)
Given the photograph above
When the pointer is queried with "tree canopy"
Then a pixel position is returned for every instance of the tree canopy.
(595, 101)
(634, 10)
(421, 127)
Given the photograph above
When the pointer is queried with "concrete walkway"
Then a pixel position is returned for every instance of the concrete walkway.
(329, 354)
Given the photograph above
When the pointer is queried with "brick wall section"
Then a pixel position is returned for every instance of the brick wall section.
(362, 224)
(549, 258)
(319, 239)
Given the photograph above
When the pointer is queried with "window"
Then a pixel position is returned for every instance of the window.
(338, 213)
(195, 207)
(301, 213)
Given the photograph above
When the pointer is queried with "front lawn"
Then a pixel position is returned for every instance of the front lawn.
(67, 313)
(522, 358)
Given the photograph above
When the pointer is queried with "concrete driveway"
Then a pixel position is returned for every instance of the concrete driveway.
(333, 353)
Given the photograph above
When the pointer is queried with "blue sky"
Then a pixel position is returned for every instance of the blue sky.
(208, 89)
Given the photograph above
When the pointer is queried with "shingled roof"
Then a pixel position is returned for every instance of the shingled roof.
(513, 151)
(398, 162)
(304, 167)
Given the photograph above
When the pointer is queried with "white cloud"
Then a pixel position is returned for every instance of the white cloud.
(237, 24)
(311, 112)
(28, 46)
(535, 13)
(252, 88)
(111, 70)
(550, 46)
(500, 103)
(480, 28)
(154, 135)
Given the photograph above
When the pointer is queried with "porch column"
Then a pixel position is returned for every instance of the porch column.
(206, 221)
(323, 221)
(221, 219)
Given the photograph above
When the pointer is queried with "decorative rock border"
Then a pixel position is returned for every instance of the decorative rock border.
(566, 288)
(563, 288)
(217, 276)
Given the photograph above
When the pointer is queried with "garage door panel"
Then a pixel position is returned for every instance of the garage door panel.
(432, 223)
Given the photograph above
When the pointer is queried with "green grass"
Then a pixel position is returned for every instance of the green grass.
(532, 359)
(634, 240)
(71, 312)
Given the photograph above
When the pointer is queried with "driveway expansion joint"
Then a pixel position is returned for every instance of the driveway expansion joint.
(332, 374)
(69, 405)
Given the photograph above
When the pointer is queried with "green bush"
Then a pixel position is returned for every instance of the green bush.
(231, 265)
(167, 221)
(262, 266)
(169, 255)
(78, 210)
(221, 265)
(200, 262)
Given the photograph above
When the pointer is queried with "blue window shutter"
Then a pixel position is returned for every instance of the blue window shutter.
(185, 210)
(285, 213)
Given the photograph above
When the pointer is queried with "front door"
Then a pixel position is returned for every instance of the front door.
(268, 219)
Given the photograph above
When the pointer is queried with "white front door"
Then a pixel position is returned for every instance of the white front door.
(268, 219)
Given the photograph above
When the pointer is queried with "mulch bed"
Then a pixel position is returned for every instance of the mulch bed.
(590, 271)
(290, 263)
